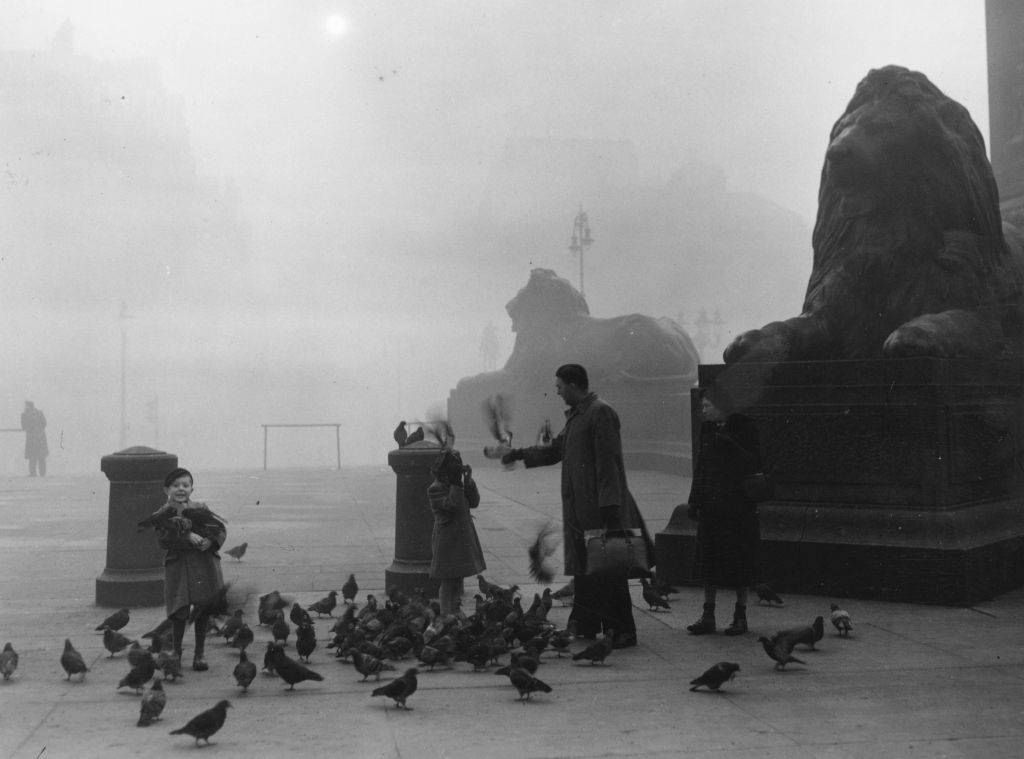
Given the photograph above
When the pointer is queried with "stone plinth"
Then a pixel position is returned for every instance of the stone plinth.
(134, 575)
(896, 479)
(414, 521)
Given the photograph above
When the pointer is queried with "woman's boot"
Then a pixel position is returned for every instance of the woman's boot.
(739, 621)
(706, 624)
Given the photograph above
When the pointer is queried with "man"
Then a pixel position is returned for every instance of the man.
(594, 496)
(36, 450)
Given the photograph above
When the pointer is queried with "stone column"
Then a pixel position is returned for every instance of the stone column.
(134, 575)
(414, 522)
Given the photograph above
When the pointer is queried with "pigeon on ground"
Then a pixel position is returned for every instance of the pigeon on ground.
(8, 661)
(325, 605)
(72, 661)
(806, 636)
(281, 629)
(136, 653)
(653, 598)
(765, 593)
(245, 671)
(778, 647)
(169, 663)
(367, 665)
(716, 676)
(305, 641)
(540, 552)
(298, 615)
(205, 724)
(349, 589)
(400, 688)
(114, 641)
(841, 620)
(140, 674)
(232, 625)
(152, 705)
(115, 621)
(289, 670)
(162, 629)
(237, 552)
(597, 651)
(560, 640)
(523, 681)
(400, 435)
(243, 638)
(268, 607)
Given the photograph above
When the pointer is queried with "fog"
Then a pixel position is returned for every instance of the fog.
(299, 212)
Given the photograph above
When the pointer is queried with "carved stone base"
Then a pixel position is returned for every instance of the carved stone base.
(897, 480)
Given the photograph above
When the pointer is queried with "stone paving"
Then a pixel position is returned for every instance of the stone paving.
(912, 681)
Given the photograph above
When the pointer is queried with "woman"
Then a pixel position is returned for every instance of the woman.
(728, 531)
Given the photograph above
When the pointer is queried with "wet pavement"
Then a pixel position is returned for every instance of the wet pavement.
(912, 681)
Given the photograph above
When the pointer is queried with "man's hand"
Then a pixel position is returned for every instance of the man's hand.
(513, 455)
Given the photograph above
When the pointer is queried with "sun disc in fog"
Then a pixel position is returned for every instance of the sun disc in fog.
(336, 25)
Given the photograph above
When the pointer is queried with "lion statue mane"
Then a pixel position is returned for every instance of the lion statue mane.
(910, 255)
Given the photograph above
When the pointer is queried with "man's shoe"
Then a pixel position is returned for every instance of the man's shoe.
(200, 665)
(624, 641)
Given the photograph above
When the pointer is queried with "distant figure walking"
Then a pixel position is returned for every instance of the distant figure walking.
(36, 450)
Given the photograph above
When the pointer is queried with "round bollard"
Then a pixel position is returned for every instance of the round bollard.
(134, 575)
(414, 522)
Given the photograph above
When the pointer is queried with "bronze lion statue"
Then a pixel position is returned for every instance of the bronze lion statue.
(910, 256)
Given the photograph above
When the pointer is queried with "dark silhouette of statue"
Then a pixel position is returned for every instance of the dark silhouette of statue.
(36, 450)
(910, 257)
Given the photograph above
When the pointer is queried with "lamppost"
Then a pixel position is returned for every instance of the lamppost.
(123, 318)
(581, 240)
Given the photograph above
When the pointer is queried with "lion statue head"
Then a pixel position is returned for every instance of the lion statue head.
(909, 252)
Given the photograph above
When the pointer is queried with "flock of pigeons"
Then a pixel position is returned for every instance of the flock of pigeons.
(375, 637)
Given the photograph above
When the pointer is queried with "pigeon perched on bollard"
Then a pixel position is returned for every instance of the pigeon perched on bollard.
(152, 705)
(8, 660)
(72, 661)
(205, 724)
(841, 620)
(400, 688)
(716, 676)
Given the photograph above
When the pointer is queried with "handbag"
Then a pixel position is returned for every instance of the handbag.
(618, 553)
(759, 486)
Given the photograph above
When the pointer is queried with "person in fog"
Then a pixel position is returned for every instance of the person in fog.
(36, 450)
(191, 535)
(456, 551)
(728, 528)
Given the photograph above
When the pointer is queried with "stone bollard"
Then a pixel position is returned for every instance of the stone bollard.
(414, 522)
(134, 575)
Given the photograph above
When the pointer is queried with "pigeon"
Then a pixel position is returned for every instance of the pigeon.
(205, 724)
(806, 636)
(540, 554)
(170, 664)
(8, 661)
(289, 670)
(715, 677)
(161, 630)
(237, 552)
(268, 607)
(400, 688)
(72, 661)
(115, 621)
(298, 615)
(140, 674)
(597, 651)
(152, 705)
(523, 681)
(245, 671)
(281, 629)
(367, 665)
(560, 641)
(305, 641)
(232, 626)
(565, 593)
(497, 415)
(243, 638)
(415, 436)
(136, 653)
(349, 589)
(841, 620)
(766, 594)
(779, 649)
(400, 434)
(653, 598)
(325, 605)
(114, 641)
